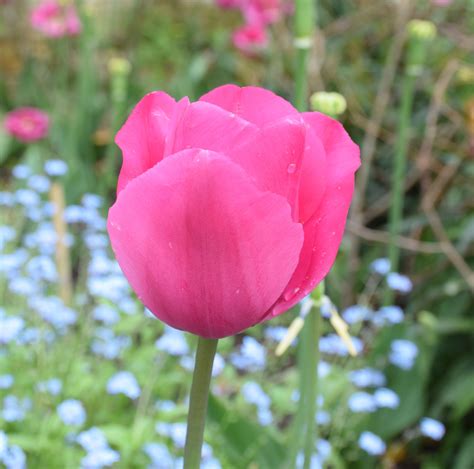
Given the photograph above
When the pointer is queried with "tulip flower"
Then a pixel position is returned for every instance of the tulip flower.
(27, 124)
(230, 209)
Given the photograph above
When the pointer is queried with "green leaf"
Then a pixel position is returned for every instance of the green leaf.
(244, 441)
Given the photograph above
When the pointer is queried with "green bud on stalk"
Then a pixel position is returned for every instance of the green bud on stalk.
(420, 34)
(330, 103)
(119, 69)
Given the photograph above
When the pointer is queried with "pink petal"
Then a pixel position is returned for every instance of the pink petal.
(142, 137)
(313, 176)
(206, 126)
(253, 104)
(273, 158)
(204, 249)
(324, 230)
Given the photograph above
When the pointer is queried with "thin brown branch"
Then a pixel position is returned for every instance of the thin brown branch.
(409, 244)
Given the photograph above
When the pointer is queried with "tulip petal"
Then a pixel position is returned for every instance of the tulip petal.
(324, 230)
(142, 138)
(312, 184)
(206, 126)
(253, 104)
(204, 249)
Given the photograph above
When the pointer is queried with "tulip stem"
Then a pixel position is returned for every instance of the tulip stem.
(312, 332)
(206, 350)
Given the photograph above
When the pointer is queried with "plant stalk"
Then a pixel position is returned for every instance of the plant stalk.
(313, 331)
(206, 350)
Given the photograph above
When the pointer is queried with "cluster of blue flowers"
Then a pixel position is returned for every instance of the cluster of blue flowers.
(39, 318)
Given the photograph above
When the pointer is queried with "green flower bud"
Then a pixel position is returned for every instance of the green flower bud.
(421, 29)
(330, 103)
(420, 33)
(465, 74)
(119, 66)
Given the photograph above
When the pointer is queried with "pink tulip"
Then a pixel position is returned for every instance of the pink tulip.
(230, 209)
(250, 37)
(55, 20)
(27, 124)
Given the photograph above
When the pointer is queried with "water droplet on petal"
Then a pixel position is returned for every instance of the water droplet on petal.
(291, 168)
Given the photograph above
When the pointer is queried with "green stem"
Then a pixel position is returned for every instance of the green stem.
(304, 29)
(206, 351)
(307, 359)
(313, 327)
(400, 163)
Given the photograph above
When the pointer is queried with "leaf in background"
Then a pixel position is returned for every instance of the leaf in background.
(245, 442)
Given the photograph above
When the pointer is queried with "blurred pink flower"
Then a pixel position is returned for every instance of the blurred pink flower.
(257, 15)
(229, 3)
(27, 124)
(250, 37)
(55, 20)
(265, 11)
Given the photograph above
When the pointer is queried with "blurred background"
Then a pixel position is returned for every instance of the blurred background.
(90, 379)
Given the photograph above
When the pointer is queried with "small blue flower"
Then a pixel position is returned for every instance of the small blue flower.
(42, 268)
(218, 365)
(175, 431)
(399, 282)
(388, 315)
(23, 286)
(124, 382)
(27, 197)
(264, 416)
(108, 345)
(367, 377)
(324, 368)
(323, 417)
(385, 397)
(96, 241)
(14, 458)
(252, 356)
(52, 386)
(92, 201)
(53, 311)
(372, 444)
(403, 353)
(7, 234)
(3, 444)
(356, 313)
(7, 199)
(92, 440)
(165, 406)
(21, 171)
(332, 344)
(99, 458)
(159, 455)
(173, 342)
(106, 314)
(432, 428)
(72, 412)
(254, 394)
(14, 409)
(6, 381)
(380, 266)
(55, 168)
(361, 401)
(39, 183)
(275, 333)
(10, 328)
